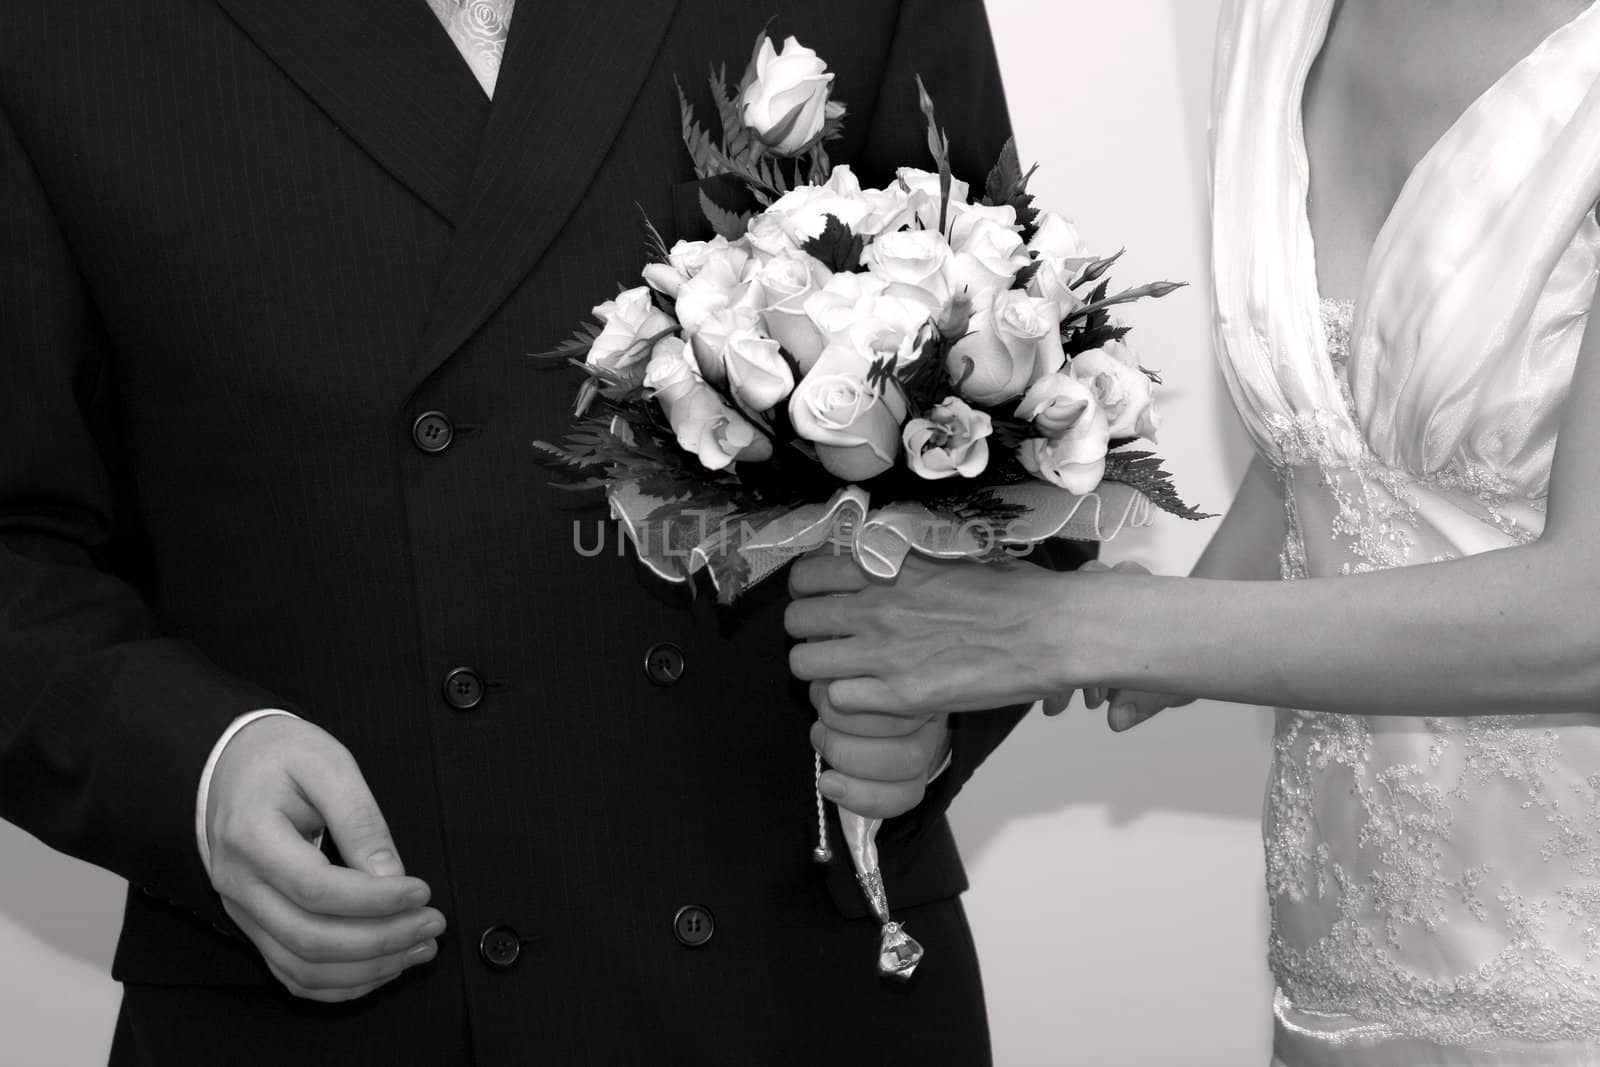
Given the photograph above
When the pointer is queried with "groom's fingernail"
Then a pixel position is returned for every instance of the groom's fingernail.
(831, 787)
(384, 864)
(1124, 716)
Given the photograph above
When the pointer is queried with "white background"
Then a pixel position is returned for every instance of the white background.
(1117, 887)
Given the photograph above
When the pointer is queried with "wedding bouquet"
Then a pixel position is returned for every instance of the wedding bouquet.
(883, 370)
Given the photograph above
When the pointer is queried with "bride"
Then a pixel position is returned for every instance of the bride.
(1405, 258)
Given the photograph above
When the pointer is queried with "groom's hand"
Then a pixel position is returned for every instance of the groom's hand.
(879, 765)
(327, 933)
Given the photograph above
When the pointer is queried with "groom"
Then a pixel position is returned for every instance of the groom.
(269, 271)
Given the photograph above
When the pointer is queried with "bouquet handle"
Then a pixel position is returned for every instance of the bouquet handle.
(898, 952)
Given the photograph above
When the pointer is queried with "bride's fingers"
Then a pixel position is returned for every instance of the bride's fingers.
(1130, 707)
(857, 695)
(820, 660)
(1057, 704)
(814, 617)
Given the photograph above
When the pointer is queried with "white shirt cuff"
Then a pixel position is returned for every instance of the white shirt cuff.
(211, 766)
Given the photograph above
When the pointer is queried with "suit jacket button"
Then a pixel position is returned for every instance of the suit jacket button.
(432, 432)
(463, 689)
(693, 926)
(500, 948)
(664, 663)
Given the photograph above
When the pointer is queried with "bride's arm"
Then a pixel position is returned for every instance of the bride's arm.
(1248, 543)
(1511, 631)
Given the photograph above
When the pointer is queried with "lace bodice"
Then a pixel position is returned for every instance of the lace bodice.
(1435, 883)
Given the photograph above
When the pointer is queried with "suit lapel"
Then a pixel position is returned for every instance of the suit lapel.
(570, 74)
(386, 73)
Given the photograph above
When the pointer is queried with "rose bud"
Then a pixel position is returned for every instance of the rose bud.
(787, 104)
(788, 281)
(757, 373)
(702, 421)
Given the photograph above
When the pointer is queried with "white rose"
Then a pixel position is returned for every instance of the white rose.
(709, 339)
(966, 219)
(838, 305)
(1075, 461)
(1124, 392)
(889, 210)
(855, 429)
(914, 263)
(1054, 280)
(886, 327)
(952, 440)
(804, 212)
(1055, 403)
(632, 322)
(1072, 454)
(726, 279)
(757, 373)
(1013, 340)
(769, 236)
(787, 282)
(689, 258)
(920, 181)
(1055, 235)
(702, 421)
(988, 259)
(787, 104)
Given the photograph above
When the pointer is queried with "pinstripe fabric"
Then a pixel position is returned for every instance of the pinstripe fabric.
(241, 248)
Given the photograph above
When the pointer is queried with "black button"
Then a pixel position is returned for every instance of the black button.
(432, 432)
(693, 925)
(664, 663)
(463, 689)
(500, 947)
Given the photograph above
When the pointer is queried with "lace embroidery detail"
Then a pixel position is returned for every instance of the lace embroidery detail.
(1358, 913)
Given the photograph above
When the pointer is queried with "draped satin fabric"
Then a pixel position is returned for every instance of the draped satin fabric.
(1435, 883)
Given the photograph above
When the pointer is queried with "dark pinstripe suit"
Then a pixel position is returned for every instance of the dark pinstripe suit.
(243, 243)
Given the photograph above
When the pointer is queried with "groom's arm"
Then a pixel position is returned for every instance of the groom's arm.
(948, 44)
(105, 723)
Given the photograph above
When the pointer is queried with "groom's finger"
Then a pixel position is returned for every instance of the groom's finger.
(876, 759)
(860, 724)
(820, 575)
(326, 939)
(298, 869)
(874, 800)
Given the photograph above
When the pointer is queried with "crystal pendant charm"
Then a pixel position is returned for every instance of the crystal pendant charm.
(899, 953)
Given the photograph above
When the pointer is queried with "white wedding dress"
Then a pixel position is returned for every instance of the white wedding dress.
(1435, 883)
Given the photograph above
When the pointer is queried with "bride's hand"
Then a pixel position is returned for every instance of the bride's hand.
(942, 637)
(1127, 707)
(1130, 707)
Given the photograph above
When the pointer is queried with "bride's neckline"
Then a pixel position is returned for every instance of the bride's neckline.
(1302, 159)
